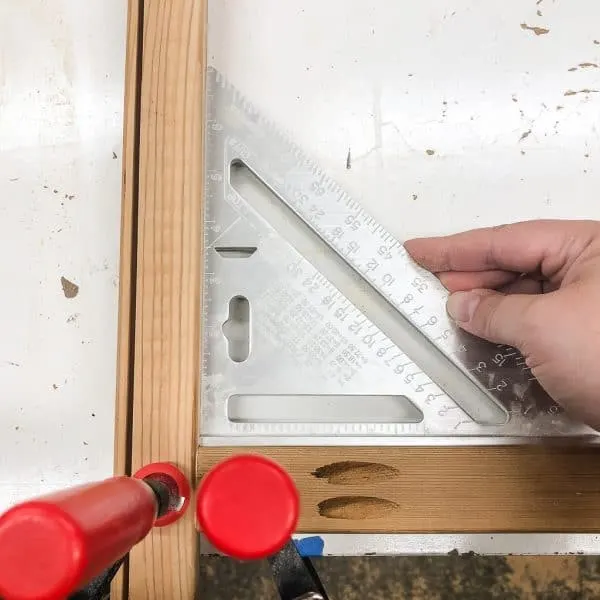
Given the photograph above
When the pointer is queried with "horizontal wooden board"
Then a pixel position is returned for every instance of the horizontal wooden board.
(467, 489)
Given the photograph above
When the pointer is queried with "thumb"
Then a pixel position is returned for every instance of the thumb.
(499, 318)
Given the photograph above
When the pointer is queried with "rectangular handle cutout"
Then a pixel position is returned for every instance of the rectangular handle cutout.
(321, 408)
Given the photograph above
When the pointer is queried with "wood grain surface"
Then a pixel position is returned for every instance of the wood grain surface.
(125, 330)
(469, 489)
(161, 272)
(129, 189)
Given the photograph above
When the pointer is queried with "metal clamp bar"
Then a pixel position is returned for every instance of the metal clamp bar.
(295, 577)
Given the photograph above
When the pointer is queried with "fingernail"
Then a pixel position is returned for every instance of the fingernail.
(462, 305)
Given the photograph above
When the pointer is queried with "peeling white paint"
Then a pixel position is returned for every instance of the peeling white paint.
(61, 109)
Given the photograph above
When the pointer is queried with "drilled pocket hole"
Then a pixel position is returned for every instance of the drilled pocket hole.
(356, 508)
(237, 329)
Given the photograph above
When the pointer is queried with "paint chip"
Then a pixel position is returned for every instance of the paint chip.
(525, 135)
(70, 289)
(536, 30)
(584, 91)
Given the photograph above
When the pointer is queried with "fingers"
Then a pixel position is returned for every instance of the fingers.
(523, 285)
(456, 281)
(494, 316)
(546, 246)
(502, 281)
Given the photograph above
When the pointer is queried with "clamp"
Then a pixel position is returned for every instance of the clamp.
(70, 544)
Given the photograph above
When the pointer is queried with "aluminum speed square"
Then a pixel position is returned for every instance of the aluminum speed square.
(318, 326)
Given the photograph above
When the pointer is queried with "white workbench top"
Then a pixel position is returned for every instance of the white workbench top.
(61, 111)
(492, 100)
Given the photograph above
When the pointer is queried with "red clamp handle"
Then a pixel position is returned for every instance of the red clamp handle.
(52, 546)
(247, 507)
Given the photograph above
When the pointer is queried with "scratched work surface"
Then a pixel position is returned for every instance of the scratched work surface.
(61, 112)
(453, 577)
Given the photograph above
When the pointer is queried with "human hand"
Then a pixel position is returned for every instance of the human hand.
(535, 286)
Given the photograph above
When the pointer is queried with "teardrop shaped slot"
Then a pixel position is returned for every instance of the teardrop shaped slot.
(237, 329)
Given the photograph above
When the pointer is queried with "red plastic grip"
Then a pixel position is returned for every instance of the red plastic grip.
(247, 507)
(176, 482)
(53, 545)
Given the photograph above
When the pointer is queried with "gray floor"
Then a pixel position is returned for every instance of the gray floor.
(423, 578)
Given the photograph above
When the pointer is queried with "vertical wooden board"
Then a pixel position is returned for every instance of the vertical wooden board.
(161, 239)
(125, 331)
